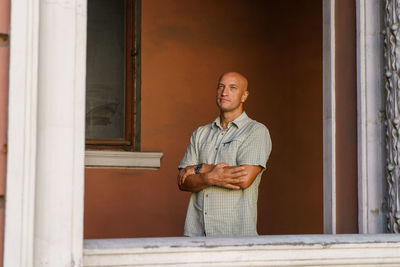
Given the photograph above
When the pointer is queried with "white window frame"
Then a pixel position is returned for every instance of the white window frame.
(329, 118)
(370, 116)
(103, 158)
(27, 240)
(122, 159)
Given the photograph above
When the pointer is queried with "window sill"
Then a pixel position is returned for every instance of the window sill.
(122, 159)
(292, 250)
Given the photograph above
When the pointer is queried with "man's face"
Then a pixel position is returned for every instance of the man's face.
(231, 92)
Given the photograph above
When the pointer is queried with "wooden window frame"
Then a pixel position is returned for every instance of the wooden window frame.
(131, 140)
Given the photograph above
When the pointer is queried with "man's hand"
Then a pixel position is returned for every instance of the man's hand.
(185, 172)
(224, 176)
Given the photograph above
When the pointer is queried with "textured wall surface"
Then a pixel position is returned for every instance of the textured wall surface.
(186, 45)
(391, 45)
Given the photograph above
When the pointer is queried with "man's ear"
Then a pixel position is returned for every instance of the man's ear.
(244, 96)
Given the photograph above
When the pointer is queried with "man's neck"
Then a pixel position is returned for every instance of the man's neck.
(227, 117)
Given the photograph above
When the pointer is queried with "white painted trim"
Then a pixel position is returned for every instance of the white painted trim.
(329, 117)
(46, 36)
(122, 159)
(22, 162)
(361, 120)
(22, 133)
(370, 128)
(78, 157)
(59, 197)
(302, 250)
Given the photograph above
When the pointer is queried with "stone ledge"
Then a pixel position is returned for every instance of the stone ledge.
(122, 159)
(295, 250)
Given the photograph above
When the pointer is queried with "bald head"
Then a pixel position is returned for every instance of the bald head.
(241, 79)
(232, 93)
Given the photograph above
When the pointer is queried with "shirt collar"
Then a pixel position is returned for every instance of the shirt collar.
(238, 122)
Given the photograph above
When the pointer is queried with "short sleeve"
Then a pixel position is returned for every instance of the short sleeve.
(191, 156)
(256, 148)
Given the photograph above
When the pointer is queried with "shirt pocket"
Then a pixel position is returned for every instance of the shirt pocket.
(229, 150)
(206, 153)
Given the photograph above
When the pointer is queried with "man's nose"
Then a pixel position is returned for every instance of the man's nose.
(225, 91)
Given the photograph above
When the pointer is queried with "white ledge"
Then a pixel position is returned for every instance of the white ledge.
(294, 250)
(122, 159)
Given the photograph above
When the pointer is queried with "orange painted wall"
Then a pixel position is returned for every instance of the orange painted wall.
(346, 118)
(186, 45)
(4, 63)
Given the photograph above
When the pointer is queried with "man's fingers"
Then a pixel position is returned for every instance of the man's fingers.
(222, 165)
(238, 174)
(181, 173)
(183, 178)
(231, 186)
(236, 169)
(237, 180)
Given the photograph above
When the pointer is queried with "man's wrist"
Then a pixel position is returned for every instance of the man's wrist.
(206, 178)
(198, 168)
(206, 168)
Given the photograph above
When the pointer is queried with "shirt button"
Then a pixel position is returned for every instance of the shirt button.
(216, 148)
(222, 133)
(206, 195)
(205, 212)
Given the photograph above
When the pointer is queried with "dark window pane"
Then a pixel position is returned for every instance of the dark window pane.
(105, 77)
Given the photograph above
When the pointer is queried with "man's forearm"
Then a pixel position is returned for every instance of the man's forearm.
(194, 183)
(252, 172)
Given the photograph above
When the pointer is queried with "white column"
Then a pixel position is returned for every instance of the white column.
(45, 171)
(21, 139)
(370, 114)
(61, 129)
(329, 117)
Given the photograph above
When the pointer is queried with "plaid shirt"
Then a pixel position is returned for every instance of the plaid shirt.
(217, 211)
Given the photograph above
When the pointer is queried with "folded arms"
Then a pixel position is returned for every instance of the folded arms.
(222, 175)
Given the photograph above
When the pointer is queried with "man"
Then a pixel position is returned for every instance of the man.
(222, 166)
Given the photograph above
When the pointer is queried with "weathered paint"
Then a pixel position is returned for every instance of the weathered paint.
(295, 250)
